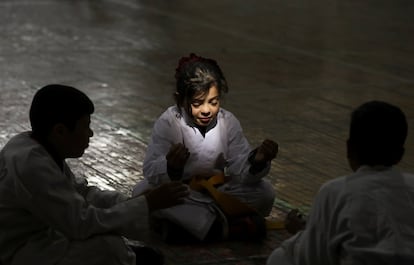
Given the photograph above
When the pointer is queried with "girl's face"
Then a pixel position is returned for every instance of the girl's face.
(204, 107)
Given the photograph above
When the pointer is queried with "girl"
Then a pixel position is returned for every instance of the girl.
(197, 139)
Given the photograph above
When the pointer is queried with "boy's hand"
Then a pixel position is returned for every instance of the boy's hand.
(166, 195)
(266, 151)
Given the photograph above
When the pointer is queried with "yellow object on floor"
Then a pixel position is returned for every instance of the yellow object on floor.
(275, 224)
(230, 205)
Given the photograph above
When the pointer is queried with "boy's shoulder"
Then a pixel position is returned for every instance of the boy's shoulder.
(333, 186)
(20, 142)
(22, 146)
(409, 177)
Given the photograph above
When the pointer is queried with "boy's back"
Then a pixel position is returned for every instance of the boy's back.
(379, 211)
(366, 217)
(17, 220)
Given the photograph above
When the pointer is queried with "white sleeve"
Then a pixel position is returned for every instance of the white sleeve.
(238, 153)
(52, 197)
(94, 195)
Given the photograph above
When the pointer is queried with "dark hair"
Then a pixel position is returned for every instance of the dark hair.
(54, 104)
(378, 131)
(195, 74)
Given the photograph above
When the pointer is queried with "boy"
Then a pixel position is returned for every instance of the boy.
(366, 217)
(47, 216)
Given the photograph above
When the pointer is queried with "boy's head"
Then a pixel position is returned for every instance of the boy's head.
(61, 115)
(377, 135)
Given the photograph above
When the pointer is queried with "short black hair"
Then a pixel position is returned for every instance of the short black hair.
(56, 103)
(378, 132)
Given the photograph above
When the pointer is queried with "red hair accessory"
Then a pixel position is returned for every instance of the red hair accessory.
(191, 59)
(186, 60)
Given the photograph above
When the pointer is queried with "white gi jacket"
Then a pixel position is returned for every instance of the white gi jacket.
(222, 148)
(364, 218)
(47, 214)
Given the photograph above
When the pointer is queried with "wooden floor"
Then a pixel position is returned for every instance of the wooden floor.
(296, 69)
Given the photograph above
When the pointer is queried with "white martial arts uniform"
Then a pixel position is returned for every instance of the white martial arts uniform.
(49, 217)
(222, 148)
(364, 218)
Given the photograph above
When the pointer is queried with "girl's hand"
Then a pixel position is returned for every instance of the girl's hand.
(176, 158)
(294, 221)
(266, 151)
